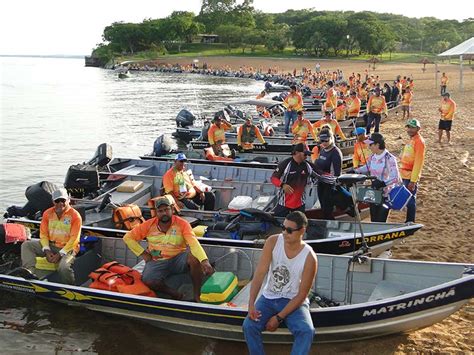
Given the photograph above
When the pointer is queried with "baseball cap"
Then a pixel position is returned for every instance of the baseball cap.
(300, 113)
(375, 138)
(359, 131)
(163, 200)
(60, 193)
(180, 157)
(300, 147)
(413, 123)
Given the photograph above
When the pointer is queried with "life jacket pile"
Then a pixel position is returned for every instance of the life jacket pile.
(210, 155)
(151, 204)
(127, 217)
(116, 277)
(13, 233)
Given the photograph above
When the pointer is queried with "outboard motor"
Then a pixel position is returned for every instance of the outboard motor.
(39, 200)
(163, 145)
(185, 118)
(82, 180)
(204, 131)
(102, 156)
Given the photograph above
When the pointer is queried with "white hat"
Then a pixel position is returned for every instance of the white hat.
(60, 193)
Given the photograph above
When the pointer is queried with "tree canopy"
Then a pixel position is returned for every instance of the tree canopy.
(319, 33)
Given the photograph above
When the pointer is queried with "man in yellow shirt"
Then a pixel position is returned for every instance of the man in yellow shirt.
(247, 133)
(362, 151)
(60, 231)
(353, 106)
(301, 129)
(172, 249)
(412, 159)
(407, 98)
(180, 183)
(447, 111)
(444, 83)
(375, 107)
(331, 122)
(293, 103)
(216, 134)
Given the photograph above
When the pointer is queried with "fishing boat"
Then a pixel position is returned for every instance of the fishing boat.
(239, 218)
(352, 298)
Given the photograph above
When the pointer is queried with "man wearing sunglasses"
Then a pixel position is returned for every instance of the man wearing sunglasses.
(291, 265)
(291, 176)
(60, 231)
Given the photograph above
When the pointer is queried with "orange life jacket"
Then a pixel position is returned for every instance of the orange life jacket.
(15, 233)
(209, 152)
(151, 204)
(119, 278)
(127, 217)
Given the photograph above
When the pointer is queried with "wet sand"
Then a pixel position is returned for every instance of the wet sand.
(445, 203)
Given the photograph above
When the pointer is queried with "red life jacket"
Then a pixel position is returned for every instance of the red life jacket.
(119, 278)
(15, 233)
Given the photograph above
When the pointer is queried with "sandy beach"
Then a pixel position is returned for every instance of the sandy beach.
(444, 203)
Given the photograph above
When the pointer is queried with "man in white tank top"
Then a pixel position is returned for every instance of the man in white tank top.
(291, 265)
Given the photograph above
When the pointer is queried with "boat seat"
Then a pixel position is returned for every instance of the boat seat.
(135, 170)
(386, 289)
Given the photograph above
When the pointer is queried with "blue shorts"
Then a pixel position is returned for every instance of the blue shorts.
(158, 270)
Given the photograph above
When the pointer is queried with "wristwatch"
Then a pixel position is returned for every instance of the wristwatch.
(279, 319)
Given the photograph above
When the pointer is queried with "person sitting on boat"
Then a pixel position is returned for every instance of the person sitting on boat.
(331, 122)
(260, 96)
(301, 129)
(293, 103)
(383, 165)
(291, 176)
(172, 249)
(247, 133)
(216, 134)
(291, 265)
(181, 185)
(362, 152)
(328, 163)
(60, 231)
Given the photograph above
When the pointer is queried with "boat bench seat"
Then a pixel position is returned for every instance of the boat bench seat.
(135, 170)
(386, 289)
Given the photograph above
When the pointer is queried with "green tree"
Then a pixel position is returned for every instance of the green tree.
(278, 38)
(231, 35)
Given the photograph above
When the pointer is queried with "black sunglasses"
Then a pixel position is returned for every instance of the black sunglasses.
(290, 230)
(58, 200)
(324, 140)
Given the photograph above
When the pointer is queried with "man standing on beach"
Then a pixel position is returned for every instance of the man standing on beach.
(447, 110)
(444, 83)
(375, 107)
(293, 103)
(412, 159)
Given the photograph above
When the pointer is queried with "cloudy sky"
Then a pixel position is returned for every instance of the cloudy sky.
(75, 27)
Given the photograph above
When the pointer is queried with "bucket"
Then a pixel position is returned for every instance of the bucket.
(398, 197)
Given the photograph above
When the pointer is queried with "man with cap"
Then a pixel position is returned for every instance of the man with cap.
(247, 133)
(301, 129)
(181, 185)
(216, 133)
(293, 103)
(353, 106)
(361, 149)
(291, 176)
(60, 231)
(444, 83)
(172, 249)
(328, 120)
(383, 165)
(331, 97)
(329, 164)
(375, 107)
(412, 159)
(447, 111)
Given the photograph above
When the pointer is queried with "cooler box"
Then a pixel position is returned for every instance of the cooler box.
(130, 186)
(240, 202)
(398, 197)
(220, 287)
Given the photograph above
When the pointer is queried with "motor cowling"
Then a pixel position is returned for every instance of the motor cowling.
(162, 146)
(82, 180)
(185, 118)
(102, 156)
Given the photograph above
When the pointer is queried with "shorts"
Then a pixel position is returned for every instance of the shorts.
(405, 108)
(158, 270)
(445, 125)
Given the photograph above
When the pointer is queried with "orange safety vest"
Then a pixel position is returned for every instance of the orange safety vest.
(119, 278)
(127, 217)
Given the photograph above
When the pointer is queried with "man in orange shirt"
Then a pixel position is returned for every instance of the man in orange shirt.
(361, 149)
(444, 83)
(172, 249)
(180, 183)
(247, 133)
(301, 129)
(331, 97)
(353, 106)
(332, 123)
(216, 134)
(447, 110)
(407, 98)
(60, 231)
(412, 159)
(375, 107)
